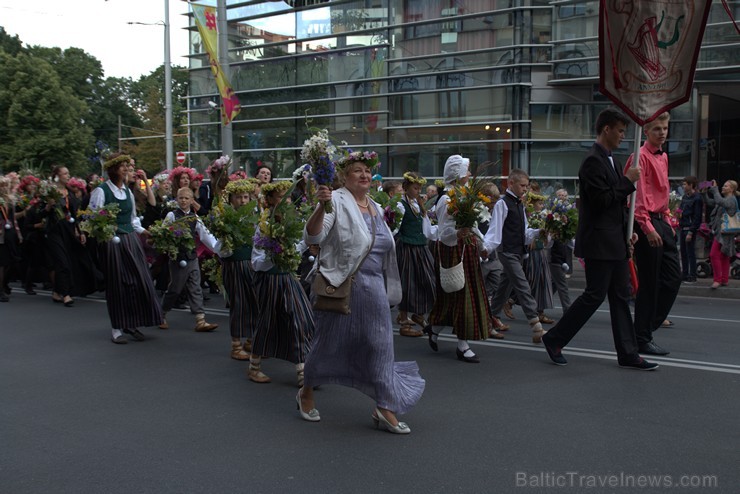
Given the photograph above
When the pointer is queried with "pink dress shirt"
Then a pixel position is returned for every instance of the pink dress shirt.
(653, 188)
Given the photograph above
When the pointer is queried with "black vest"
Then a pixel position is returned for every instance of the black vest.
(178, 215)
(512, 235)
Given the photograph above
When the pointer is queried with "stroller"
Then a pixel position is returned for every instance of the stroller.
(704, 266)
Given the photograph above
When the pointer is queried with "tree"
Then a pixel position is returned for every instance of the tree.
(39, 120)
(12, 45)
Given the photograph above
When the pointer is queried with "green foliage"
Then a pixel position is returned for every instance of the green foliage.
(172, 238)
(11, 45)
(233, 227)
(100, 223)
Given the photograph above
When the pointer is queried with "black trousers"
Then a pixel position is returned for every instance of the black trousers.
(603, 278)
(659, 277)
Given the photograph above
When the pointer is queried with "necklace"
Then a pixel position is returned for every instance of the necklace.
(367, 203)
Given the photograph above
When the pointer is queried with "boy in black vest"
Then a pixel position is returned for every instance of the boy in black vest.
(188, 276)
(509, 232)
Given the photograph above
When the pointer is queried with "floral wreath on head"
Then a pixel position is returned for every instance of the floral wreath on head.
(26, 181)
(369, 158)
(439, 183)
(239, 175)
(176, 172)
(77, 183)
(533, 197)
(241, 186)
(160, 178)
(414, 180)
(279, 186)
(197, 178)
(118, 160)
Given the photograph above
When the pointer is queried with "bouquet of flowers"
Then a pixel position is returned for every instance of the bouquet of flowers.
(211, 269)
(234, 227)
(170, 238)
(48, 191)
(468, 204)
(536, 219)
(280, 229)
(321, 154)
(99, 223)
(673, 206)
(392, 214)
(562, 221)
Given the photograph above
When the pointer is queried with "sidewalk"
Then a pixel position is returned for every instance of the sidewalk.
(698, 289)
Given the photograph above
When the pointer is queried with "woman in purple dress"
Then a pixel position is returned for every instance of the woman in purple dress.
(356, 349)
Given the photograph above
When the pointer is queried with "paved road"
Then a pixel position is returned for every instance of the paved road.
(176, 414)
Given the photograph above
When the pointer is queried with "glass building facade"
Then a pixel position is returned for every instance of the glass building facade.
(508, 83)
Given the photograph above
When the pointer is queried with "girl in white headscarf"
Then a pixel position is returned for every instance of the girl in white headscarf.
(466, 310)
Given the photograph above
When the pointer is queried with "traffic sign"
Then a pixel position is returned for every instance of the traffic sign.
(180, 157)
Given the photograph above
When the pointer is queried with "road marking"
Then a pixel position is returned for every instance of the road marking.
(606, 355)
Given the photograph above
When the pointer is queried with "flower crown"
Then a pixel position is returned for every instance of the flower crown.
(414, 180)
(78, 183)
(279, 186)
(440, 183)
(532, 197)
(26, 181)
(123, 158)
(161, 177)
(369, 158)
(241, 186)
(238, 175)
(176, 172)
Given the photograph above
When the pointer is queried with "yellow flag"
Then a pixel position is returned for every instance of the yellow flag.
(205, 19)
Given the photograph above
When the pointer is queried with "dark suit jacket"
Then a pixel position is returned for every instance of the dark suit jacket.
(602, 213)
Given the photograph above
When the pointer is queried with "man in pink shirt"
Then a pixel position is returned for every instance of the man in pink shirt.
(656, 252)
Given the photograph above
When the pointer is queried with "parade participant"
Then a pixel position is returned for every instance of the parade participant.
(285, 324)
(263, 174)
(188, 278)
(415, 262)
(8, 236)
(510, 234)
(238, 280)
(32, 230)
(601, 240)
(691, 208)
(656, 252)
(356, 349)
(491, 267)
(466, 310)
(723, 244)
(130, 295)
(73, 272)
(537, 265)
(183, 176)
(218, 173)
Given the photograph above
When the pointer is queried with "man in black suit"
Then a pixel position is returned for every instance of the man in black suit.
(601, 240)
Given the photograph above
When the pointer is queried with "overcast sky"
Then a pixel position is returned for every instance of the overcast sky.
(100, 28)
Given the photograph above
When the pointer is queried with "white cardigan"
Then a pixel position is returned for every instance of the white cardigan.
(344, 244)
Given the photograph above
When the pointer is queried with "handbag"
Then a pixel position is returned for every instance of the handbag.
(336, 298)
(730, 224)
(452, 279)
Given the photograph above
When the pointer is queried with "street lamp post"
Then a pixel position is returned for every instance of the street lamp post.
(168, 137)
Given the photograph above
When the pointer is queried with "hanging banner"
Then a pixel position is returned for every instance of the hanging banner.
(648, 52)
(205, 19)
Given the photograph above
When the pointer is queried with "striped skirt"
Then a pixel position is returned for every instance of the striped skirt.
(467, 310)
(131, 299)
(285, 324)
(416, 267)
(537, 269)
(238, 278)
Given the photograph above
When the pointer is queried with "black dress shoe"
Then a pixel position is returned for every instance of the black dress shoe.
(554, 353)
(136, 334)
(650, 348)
(30, 291)
(471, 360)
(428, 331)
(640, 364)
(119, 340)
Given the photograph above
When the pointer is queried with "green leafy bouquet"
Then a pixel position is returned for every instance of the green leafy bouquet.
(392, 214)
(280, 229)
(171, 238)
(100, 223)
(233, 227)
(468, 204)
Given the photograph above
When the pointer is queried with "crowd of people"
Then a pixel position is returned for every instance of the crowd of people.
(311, 269)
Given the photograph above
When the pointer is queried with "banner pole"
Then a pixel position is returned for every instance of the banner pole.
(633, 196)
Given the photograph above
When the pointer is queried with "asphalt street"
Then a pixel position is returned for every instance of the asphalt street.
(79, 414)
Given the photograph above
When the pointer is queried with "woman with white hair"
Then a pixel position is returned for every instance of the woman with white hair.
(466, 310)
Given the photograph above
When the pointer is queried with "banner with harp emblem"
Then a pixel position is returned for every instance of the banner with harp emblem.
(648, 52)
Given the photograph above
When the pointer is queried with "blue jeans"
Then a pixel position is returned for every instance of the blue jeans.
(688, 255)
